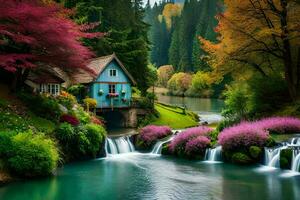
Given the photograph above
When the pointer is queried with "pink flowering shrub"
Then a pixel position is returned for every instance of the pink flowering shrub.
(69, 119)
(178, 144)
(197, 145)
(242, 137)
(150, 134)
(279, 124)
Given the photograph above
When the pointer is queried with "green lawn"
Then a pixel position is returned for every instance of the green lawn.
(171, 117)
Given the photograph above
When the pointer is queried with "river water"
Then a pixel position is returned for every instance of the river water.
(145, 176)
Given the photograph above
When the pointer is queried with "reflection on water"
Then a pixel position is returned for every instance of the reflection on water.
(144, 176)
(208, 109)
(194, 104)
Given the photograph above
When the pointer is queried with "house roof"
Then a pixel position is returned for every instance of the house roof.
(46, 75)
(98, 65)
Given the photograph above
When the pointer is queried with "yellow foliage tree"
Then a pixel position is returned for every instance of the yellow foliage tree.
(258, 36)
(164, 74)
(171, 10)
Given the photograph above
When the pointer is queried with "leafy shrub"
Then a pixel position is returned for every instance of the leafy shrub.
(255, 152)
(5, 143)
(69, 119)
(64, 133)
(279, 124)
(66, 100)
(268, 94)
(95, 134)
(150, 134)
(227, 122)
(42, 105)
(241, 158)
(80, 142)
(79, 91)
(83, 116)
(286, 156)
(236, 99)
(10, 121)
(32, 155)
(197, 146)
(178, 144)
(90, 103)
(242, 137)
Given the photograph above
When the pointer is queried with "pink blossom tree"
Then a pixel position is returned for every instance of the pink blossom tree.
(33, 32)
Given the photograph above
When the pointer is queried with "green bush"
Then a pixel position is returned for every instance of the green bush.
(236, 101)
(95, 135)
(80, 142)
(5, 143)
(255, 152)
(10, 121)
(286, 156)
(227, 122)
(83, 116)
(42, 105)
(32, 155)
(241, 158)
(268, 94)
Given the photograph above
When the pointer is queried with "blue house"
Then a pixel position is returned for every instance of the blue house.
(112, 85)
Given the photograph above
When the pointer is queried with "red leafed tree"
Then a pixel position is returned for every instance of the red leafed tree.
(34, 32)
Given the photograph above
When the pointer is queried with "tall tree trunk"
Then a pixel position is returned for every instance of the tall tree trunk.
(19, 79)
(291, 75)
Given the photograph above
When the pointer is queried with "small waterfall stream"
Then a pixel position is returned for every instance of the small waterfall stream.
(158, 146)
(272, 155)
(118, 145)
(214, 155)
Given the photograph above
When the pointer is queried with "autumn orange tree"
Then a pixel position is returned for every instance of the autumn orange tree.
(258, 36)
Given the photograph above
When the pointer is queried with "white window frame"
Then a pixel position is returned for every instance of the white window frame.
(50, 88)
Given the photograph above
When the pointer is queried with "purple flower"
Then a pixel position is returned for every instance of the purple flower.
(197, 145)
(153, 133)
(242, 136)
(279, 124)
(179, 142)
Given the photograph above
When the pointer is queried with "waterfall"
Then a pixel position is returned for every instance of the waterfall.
(272, 155)
(296, 161)
(213, 154)
(158, 146)
(118, 145)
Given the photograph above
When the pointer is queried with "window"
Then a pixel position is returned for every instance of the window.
(53, 89)
(112, 89)
(113, 72)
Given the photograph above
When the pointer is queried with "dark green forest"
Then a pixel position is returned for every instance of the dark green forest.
(178, 43)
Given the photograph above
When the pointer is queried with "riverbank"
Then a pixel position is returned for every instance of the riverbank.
(175, 117)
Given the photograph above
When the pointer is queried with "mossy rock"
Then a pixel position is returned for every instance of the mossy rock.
(241, 159)
(286, 156)
(255, 152)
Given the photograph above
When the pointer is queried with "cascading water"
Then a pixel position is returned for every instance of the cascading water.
(272, 155)
(296, 161)
(118, 145)
(214, 154)
(158, 146)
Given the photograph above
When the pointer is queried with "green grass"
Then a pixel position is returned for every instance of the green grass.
(171, 117)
